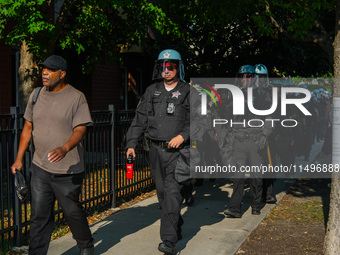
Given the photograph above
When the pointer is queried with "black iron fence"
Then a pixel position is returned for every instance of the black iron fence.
(104, 186)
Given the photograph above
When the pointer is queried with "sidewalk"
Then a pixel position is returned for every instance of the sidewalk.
(135, 230)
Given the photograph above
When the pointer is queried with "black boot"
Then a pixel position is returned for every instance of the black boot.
(255, 211)
(87, 251)
(232, 213)
(270, 199)
(167, 247)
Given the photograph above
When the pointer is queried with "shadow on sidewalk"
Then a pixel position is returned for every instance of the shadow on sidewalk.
(210, 201)
(136, 229)
(111, 230)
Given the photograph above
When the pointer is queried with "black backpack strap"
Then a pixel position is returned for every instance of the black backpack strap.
(36, 94)
(35, 99)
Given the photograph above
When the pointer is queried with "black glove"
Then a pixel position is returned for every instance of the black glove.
(261, 142)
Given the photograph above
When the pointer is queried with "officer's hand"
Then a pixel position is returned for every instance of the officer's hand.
(131, 151)
(57, 154)
(176, 142)
(16, 166)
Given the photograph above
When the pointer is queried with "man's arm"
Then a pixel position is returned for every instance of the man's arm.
(138, 125)
(23, 145)
(59, 153)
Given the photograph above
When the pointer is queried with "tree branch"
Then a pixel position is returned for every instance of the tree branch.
(274, 22)
(322, 38)
(62, 17)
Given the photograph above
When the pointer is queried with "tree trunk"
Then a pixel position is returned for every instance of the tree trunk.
(332, 239)
(27, 75)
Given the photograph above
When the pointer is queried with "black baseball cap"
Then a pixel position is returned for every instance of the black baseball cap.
(55, 62)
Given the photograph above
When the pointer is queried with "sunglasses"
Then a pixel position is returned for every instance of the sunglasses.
(246, 75)
(169, 66)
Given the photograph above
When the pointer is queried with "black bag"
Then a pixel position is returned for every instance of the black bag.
(20, 186)
(189, 156)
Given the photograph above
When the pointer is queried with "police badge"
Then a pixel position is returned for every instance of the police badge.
(176, 94)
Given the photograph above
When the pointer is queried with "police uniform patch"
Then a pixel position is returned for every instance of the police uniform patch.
(157, 93)
(176, 94)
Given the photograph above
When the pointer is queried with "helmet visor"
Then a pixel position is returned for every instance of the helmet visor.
(245, 80)
(262, 80)
(168, 65)
(245, 75)
(164, 66)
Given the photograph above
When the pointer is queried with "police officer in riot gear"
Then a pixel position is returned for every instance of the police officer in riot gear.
(247, 141)
(261, 76)
(284, 137)
(163, 114)
(262, 83)
(245, 76)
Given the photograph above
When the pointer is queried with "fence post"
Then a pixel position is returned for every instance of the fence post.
(113, 150)
(18, 238)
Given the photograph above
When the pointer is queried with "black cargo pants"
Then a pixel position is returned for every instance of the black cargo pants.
(163, 163)
(246, 154)
(45, 188)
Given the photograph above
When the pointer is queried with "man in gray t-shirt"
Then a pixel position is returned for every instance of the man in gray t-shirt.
(58, 123)
(55, 116)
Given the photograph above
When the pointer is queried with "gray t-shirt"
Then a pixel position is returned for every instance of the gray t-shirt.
(54, 116)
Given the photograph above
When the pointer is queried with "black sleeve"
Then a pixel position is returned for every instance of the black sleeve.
(140, 121)
(198, 122)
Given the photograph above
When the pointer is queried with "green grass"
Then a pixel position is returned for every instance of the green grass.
(304, 212)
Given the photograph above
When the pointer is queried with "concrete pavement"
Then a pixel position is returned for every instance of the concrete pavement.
(135, 230)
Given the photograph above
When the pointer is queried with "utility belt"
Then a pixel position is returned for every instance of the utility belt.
(165, 144)
(246, 137)
(162, 144)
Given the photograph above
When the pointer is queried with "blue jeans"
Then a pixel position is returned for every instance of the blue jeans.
(66, 188)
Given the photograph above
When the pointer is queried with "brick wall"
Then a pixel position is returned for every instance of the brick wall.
(5, 78)
(106, 82)
(101, 88)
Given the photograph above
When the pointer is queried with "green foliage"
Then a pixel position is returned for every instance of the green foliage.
(214, 37)
(298, 17)
(30, 23)
(97, 29)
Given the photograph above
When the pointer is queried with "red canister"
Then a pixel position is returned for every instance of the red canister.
(129, 167)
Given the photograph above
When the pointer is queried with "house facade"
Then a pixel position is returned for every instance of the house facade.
(119, 84)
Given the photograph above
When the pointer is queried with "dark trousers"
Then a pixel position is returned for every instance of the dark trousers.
(45, 188)
(246, 154)
(163, 164)
(267, 180)
(268, 185)
(327, 145)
